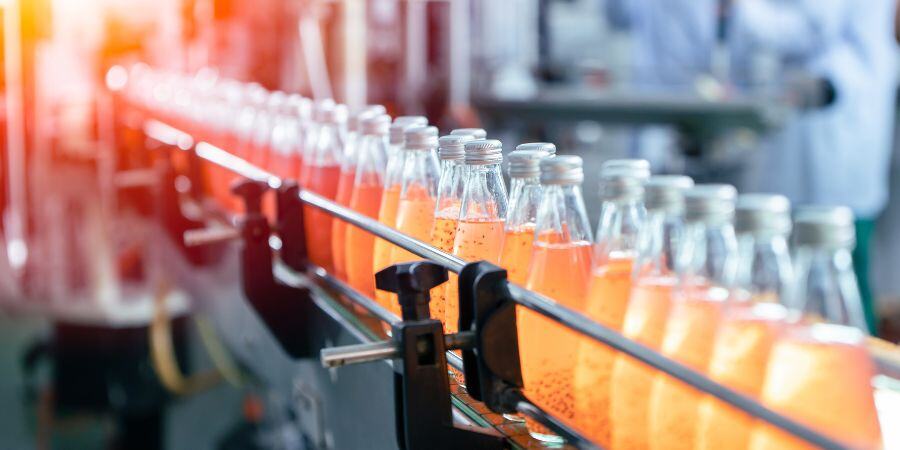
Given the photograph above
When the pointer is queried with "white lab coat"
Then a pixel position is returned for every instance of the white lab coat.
(835, 155)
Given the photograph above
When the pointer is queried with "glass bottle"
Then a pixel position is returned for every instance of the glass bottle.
(615, 248)
(542, 146)
(345, 186)
(754, 318)
(390, 197)
(451, 152)
(482, 213)
(418, 194)
(320, 175)
(560, 269)
(524, 200)
(648, 308)
(310, 140)
(366, 197)
(303, 110)
(706, 263)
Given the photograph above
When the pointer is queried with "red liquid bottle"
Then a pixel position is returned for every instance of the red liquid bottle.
(320, 175)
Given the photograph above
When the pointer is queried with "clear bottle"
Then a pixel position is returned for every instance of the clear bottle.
(706, 263)
(418, 194)
(368, 187)
(303, 111)
(451, 152)
(560, 269)
(310, 140)
(615, 248)
(345, 185)
(548, 147)
(320, 175)
(479, 232)
(754, 318)
(648, 308)
(390, 197)
(524, 200)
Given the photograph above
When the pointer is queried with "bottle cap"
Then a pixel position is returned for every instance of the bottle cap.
(666, 193)
(355, 121)
(762, 214)
(378, 124)
(640, 168)
(709, 203)
(323, 108)
(401, 123)
(420, 137)
(484, 151)
(453, 147)
(620, 184)
(544, 146)
(824, 226)
(526, 163)
(563, 169)
(477, 133)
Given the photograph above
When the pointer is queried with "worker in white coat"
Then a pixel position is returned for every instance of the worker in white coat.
(836, 155)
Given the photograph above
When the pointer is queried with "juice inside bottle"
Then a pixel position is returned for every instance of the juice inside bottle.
(560, 269)
(442, 236)
(820, 375)
(366, 199)
(518, 246)
(524, 200)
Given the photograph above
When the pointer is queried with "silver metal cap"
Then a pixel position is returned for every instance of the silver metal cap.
(544, 146)
(323, 109)
(666, 193)
(355, 120)
(477, 133)
(620, 184)
(420, 137)
(640, 168)
(762, 214)
(401, 123)
(824, 226)
(526, 163)
(563, 169)
(453, 147)
(378, 124)
(709, 203)
(484, 151)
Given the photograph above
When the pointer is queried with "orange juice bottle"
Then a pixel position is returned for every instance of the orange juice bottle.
(283, 157)
(615, 247)
(647, 310)
(524, 199)
(390, 197)
(366, 199)
(560, 269)
(321, 172)
(753, 320)
(451, 152)
(345, 188)
(310, 137)
(415, 212)
(706, 271)
(479, 232)
(821, 375)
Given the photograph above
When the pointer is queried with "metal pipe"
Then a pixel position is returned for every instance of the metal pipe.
(353, 295)
(572, 437)
(580, 323)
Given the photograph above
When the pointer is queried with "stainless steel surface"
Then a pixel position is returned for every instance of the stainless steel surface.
(359, 353)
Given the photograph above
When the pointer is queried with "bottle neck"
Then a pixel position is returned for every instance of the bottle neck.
(450, 190)
(329, 146)
(657, 244)
(421, 173)
(562, 217)
(764, 271)
(826, 286)
(524, 200)
(484, 193)
(707, 258)
(617, 230)
(371, 160)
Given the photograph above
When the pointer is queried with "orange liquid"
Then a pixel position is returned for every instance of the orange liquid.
(548, 350)
(475, 240)
(387, 214)
(365, 199)
(631, 381)
(739, 361)
(339, 227)
(826, 385)
(516, 255)
(415, 217)
(317, 223)
(689, 338)
(442, 236)
(606, 303)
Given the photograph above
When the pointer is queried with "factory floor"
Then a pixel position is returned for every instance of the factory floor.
(196, 423)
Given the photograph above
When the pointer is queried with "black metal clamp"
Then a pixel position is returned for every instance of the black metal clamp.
(421, 381)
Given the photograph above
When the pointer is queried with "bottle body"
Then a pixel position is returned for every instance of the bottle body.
(321, 175)
(366, 198)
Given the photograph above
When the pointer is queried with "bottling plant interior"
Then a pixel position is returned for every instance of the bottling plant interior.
(449, 224)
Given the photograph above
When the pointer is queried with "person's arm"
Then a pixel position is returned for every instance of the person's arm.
(792, 28)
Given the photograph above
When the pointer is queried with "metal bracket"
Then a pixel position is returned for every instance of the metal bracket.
(492, 369)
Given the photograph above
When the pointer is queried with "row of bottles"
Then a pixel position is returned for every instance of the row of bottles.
(698, 273)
